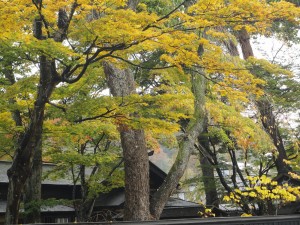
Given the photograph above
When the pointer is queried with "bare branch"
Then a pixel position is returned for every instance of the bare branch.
(57, 106)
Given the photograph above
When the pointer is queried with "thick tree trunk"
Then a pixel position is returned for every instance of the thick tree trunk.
(32, 195)
(136, 161)
(23, 159)
(244, 39)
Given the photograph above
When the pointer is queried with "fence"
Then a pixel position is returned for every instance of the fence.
(259, 220)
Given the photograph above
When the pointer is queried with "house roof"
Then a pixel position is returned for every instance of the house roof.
(116, 197)
(155, 172)
(56, 208)
(177, 203)
(5, 165)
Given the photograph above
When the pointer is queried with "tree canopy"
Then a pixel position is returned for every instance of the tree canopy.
(178, 75)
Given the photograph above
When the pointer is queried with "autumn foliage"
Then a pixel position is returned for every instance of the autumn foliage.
(52, 82)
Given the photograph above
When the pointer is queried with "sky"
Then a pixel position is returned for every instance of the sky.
(282, 53)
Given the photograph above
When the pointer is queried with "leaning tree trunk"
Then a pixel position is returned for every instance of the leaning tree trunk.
(267, 116)
(136, 161)
(269, 122)
(186, 146)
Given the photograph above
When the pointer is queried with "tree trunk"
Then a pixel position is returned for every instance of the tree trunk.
(208, 176)
(22, 163)
(269, 122)
(136, 161)
(132, 4)
(23, 159)
(244, 40)
(267, 116)
(264, 106)
(186, 146)
(33, 186)
(32, 195)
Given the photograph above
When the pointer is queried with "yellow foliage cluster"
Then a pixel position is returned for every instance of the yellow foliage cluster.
(268, 67)
(107, 23)
(102, 24)
(262, 189)
(253, 15)
(206, 212)
(244, 131)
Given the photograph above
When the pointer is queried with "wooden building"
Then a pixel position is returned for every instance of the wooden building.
(108, 206)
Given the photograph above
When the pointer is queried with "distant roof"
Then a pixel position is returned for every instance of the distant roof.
(57, 208)
(176, 202)
(116, 198)
(5, 165)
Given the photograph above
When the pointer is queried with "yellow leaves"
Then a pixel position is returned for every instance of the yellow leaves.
(246, 215)
(220, 35)
(180, 48)
(294, 175)
(5, 117)
(286, 10)
(268, 67)
(264, 189)
(243, 130)
(252, 194)
(206, 212)
(226, 198)
(234, 79)
(253, 15)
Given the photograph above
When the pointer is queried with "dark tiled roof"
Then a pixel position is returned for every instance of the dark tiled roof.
(176, 202)
(57, 208)
(4, 166)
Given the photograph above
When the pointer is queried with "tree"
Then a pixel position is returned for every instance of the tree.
(57, 66)
(69, 36)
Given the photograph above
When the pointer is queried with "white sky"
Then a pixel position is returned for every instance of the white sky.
(279, 52)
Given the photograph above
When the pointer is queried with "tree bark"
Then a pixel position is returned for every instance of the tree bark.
(244, 40)
(33, 188)
(264, 106)
(267, 116)
(23, 159)
(186, 146)
(136, 161)
(132, 4)
(208, 176)
(269, 122)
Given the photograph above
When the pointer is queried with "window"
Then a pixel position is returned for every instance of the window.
(62, 220)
